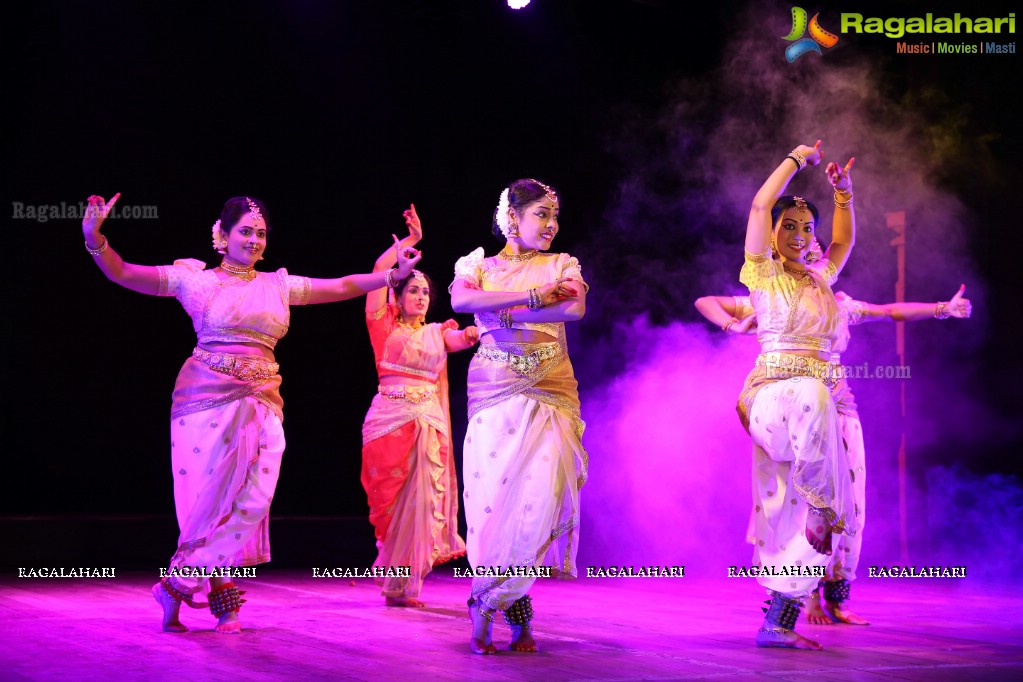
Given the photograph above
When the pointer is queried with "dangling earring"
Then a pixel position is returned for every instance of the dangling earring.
(774, 245)
(513, 229)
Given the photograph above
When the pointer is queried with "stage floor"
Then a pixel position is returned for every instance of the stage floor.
(301, 628)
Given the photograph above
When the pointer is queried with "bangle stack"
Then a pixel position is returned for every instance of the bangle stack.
(727, 325)
(390, 280)
(798, 159)
(98, 250)
(535, 300)
(941, 311)
(843, 198)
(505, 316)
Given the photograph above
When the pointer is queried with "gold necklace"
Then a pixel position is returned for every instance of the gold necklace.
(245, 272)
(402, 322)
(795, 272)
(517, 257)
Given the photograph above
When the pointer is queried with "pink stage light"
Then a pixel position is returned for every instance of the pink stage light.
(517, 4)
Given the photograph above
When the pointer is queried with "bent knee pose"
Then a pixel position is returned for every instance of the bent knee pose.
(523, 460)
(735, 315)
(408, 467)
(226, 436)
(802, 493)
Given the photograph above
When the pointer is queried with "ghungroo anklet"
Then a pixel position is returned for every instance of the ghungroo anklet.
(837, 591)
(225, 598)
(782, 611)
(174, 593)
(520, 612)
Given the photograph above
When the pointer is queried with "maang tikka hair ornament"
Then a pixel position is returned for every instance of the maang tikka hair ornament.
(800, 204)
(219, 242)
(546, 189)
(254, 210)
(509, 229)
(417, 277)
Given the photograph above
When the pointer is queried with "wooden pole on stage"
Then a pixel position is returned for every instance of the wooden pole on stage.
(897, 223)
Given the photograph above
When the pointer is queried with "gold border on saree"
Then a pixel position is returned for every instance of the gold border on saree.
(788, 365)
(522, 364)
(244, 367)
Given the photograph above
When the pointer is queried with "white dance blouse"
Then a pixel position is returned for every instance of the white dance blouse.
(792, 314)
(499, 274)
(234, 310)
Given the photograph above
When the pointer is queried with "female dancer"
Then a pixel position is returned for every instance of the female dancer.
(524, 462)
(735, 315)
(226, 435)
(801, 493)
(408, 467)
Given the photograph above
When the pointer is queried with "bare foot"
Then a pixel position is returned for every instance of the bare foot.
(840, 615)
(782, 638)
(228, 624)
(171, 606)
(815, 615)
(818, 534)
(482, 641)
(404, 601)
(522, 639)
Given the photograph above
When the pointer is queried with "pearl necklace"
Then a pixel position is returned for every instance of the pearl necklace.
(245, 272)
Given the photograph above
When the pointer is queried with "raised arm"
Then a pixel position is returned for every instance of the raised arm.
(351, 286)
(377, 299)
(843, 224)
(144, 279)
(758, 227)
(957, 307)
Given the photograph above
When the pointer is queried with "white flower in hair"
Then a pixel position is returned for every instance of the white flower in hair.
(219, 243)
(501, 218)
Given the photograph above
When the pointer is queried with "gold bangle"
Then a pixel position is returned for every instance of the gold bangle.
(99, 249)
(940, 313)
(725, 327)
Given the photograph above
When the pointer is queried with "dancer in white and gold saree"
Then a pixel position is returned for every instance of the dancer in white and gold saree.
(802, 491)
(226, 433)
(735, 315)
(523, 460)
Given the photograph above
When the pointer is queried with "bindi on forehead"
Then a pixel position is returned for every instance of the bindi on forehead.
(797, 221)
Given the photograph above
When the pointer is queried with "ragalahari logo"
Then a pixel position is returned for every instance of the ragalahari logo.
(818, 36)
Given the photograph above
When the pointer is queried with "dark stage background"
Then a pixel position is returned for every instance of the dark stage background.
(656, 120)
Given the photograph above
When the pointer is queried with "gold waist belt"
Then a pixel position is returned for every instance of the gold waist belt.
(523, 364)
(411, 394)
(244, 367)
(788, 365)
